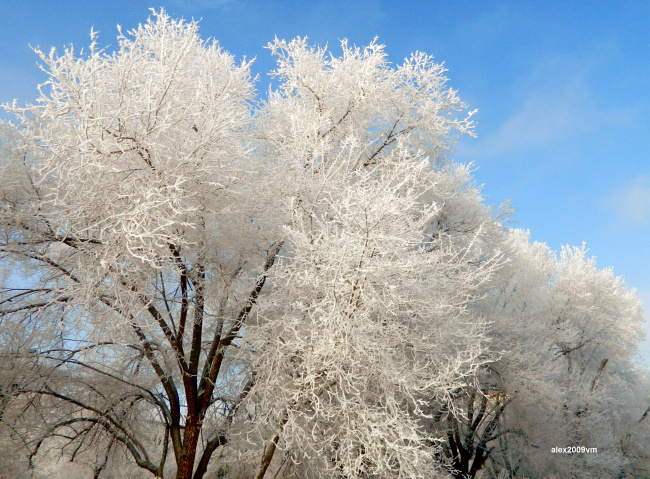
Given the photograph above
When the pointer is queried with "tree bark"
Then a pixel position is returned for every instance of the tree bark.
(188, 452)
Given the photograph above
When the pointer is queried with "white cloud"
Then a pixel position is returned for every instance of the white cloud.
(544, 118)
(631, 202)
(552, 103)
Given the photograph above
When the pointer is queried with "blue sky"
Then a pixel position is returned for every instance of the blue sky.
(561, 88)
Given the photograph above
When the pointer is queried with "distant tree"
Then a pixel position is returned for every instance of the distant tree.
(566, 335)
(282, 287)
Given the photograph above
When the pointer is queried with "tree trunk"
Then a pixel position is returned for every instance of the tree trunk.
(188, 453)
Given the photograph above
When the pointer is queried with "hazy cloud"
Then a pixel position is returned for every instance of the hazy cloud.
(554, 102)
(631, 201)
(543, 119)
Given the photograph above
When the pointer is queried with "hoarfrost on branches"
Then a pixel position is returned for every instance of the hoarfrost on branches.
(199, 282)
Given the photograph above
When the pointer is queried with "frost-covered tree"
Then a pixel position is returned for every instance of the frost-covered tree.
(196, 282)
(596, 324)
(543, 308)
(110, 199)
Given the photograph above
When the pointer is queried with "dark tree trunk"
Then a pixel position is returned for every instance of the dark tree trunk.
(188, 453)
